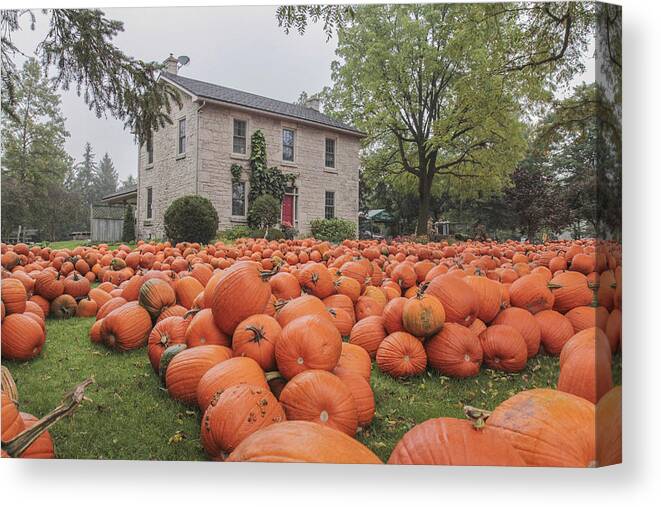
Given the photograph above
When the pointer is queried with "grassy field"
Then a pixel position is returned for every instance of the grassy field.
(130, 417)
(71, 244)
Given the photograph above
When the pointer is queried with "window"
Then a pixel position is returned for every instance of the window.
(149, 202)
(330, 153)
(288, 145)
(239, 139)
(239, 198)
(150, 151)
(330, 205)
(182, 136)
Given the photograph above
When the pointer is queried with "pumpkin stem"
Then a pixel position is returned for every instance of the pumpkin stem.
(17, 445)
(265, 275)
(272, 375)
(258, 332)
(192, 312)
(477, 416)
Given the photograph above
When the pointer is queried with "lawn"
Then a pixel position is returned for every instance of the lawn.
(131, 417)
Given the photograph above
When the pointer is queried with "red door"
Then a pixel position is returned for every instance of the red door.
(288, 209)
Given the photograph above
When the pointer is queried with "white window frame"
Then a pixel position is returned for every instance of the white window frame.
(149, 204)
(331, 168)
(326, 205)
(244, 216)
(179, 137)
(247, 137)
(282, 145)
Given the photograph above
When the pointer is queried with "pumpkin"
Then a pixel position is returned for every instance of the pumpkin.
(361, 392)
(156, 295)
(459, 300)
(355, 359)
(237, 370)
(456, 442)
(32, 307)
(608, 416)
(393, 315)
(126, 327)
(242, 291)
(404, 275)
(256, 337)
(187, 368)
(349, 287)
(22, 337)
(48, 285)
(202, 330)
(585, 365)
(302, 442)
(76, 285)
(524, 322)
(585, 317)
(423, 315)
(555, 330)
(531, 293)
(614, 329)
(368, 334)
(186, 290)
(401, 354)
(173, 311)
(285, 286)
(42, 302)
(63, 307)
(548, 428)
(95, 331)
(321, 397)
(308, 343)
(504, 348)
(86, 307)
(454, 351)
(238, 412)
(14, 296)
(165, 333)
(570, 289)
(341, 302)
(489, 296)
(315, 279)
(112, 304)
(12, 423)
(42, 447)
(367, 306)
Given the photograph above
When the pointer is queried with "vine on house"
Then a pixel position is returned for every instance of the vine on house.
(264, 179)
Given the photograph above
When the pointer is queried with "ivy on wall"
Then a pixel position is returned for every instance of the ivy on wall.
(236, 169)
(264, 179)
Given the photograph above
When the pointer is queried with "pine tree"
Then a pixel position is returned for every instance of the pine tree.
(106, 177)
(128, 182)
(85, 176)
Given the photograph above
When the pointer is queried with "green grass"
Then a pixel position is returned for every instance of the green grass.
(71, 244)
(130, 417)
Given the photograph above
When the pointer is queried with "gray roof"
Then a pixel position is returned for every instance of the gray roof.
(223, 94)
(121, 192)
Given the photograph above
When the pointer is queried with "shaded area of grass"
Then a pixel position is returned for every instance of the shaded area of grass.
(130, 417)
(71, 244)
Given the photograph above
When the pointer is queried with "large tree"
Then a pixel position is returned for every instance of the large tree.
(106, 177)
(35, 164)
(78, 48)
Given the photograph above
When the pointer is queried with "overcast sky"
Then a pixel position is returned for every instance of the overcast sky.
(239, 47)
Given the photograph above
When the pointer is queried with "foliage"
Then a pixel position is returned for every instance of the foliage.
(128, 182)
(35, 164)
(236, 169)
(264, 212)
(296, 17)
(235, 232)
(264, 179)
(191, 218)
(333, 229)
(79, 47)
(288, 230)
(271, 234)
(106, 177)
(128, 228)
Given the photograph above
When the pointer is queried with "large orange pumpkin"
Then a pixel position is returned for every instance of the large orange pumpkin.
(14, 296)
(555, 330)
(361, 392)
(423, 315)
(302, 442)
(454, 351)
(321, 397)
(167, 332)
(22, 337)
(504, 348)
(368, 334)
(202, 330)
(524, 322)
(156, 295)
(400, 355)
(256, 337)
(459, 300)
(548, 428)
(127, 327)
(530, 292)
(42, 447)
(456, 442)
(237, 370)
(608, 416)
(308, 343)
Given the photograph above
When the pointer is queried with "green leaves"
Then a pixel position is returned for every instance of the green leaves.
(264, 179)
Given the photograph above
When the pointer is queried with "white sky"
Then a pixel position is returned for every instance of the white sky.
(239, 47)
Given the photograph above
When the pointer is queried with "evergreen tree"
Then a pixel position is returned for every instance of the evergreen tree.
(128, 182)
(106, 177)
(84, 182)
(128, 230)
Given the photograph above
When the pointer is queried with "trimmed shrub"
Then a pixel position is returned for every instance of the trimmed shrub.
(191, 218)
(128, 229)
(333, 229)
(234, 233)
(264, 212)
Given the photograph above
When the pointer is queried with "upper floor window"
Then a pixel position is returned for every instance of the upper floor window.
(150, 151)
(182, 136)
(239, 139)
(329, 210)
(329, 159)
(288, 144)
(149, 202)
(238, 198)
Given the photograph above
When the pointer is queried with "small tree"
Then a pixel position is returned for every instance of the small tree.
(264, 212)
(128, 230)
(191, 218)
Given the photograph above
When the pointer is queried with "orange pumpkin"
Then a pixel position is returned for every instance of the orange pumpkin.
(400, 355)
(455, 351)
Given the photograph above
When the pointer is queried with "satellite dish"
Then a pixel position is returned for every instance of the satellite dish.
(183, 60)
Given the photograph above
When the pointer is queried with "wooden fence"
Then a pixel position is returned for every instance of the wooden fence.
(107, 223)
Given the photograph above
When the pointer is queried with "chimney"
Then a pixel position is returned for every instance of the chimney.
(312, 103)
(171, 64)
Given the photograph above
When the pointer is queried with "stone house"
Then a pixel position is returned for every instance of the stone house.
(211, 132)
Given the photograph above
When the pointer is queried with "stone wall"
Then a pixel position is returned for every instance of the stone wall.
(172, 177)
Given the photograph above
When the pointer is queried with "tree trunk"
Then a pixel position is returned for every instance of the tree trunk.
(424, 191)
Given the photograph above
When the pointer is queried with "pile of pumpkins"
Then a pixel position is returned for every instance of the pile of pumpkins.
(274, 341)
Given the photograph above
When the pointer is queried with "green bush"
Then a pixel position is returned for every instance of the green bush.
(234, 233)
(128, 230)
(272, 234)
(264, 212)
(191, 218)
(334, 229)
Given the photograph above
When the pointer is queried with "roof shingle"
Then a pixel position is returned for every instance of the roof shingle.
(231, 96)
